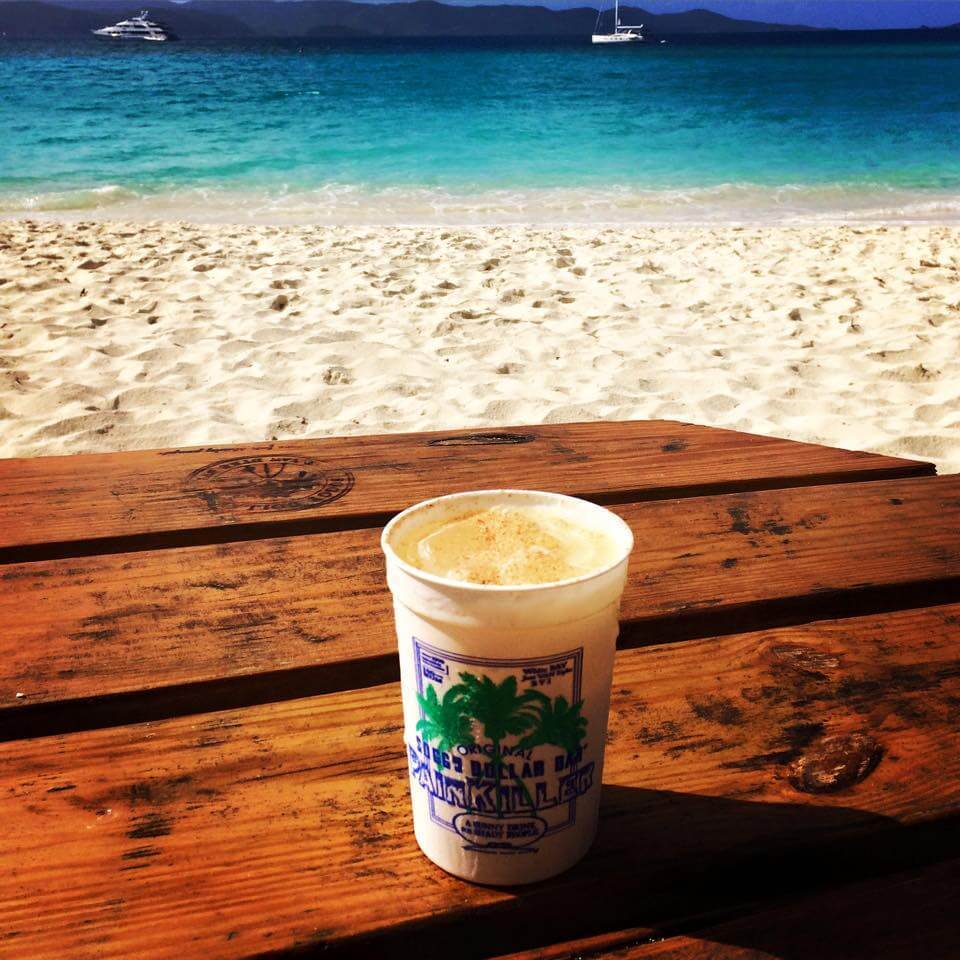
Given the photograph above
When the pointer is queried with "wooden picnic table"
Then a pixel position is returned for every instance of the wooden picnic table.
(200, 725)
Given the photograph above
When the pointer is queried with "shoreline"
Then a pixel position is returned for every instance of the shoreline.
(740, 203)
(679, 225)
(137, 335)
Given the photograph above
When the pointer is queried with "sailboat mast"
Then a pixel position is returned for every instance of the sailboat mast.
(616, 15)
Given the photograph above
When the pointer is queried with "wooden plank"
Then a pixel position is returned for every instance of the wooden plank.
(312, 614)
(913, 914)
(906, 915)
(287, 824)
(70, 506)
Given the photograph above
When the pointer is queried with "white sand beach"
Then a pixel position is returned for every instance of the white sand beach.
(120, 336)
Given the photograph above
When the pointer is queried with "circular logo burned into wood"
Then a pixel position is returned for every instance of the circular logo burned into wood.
(478, 439)
(268, 483)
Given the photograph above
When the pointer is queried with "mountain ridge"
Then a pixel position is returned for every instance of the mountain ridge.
(248, 19)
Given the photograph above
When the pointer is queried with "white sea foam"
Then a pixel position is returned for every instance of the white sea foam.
(67, 201)
(345, 204)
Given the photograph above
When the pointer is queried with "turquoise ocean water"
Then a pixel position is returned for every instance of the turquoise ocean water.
(471, 131)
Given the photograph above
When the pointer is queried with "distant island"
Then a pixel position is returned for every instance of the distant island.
(245, 19)
(249, 19)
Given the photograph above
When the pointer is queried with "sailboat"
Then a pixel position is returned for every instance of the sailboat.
(621, 33)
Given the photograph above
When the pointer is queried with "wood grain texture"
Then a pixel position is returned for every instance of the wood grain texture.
(70, 506)
(287, 825)
(311, 614)
(903, 916)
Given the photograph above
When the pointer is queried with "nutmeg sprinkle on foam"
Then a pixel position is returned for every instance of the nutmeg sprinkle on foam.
(509, 546)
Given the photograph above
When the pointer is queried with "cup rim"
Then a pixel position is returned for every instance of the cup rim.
(448, 582)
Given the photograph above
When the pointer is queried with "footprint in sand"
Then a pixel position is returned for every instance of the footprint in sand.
(891, 356)
(337, 374)
(917, 374)
(719, 403)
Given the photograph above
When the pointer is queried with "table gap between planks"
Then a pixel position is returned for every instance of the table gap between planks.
(202, 745)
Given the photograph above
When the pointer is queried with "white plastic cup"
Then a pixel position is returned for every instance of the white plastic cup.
(519, 672)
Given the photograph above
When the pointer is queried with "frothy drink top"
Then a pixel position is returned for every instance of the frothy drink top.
(507, 545)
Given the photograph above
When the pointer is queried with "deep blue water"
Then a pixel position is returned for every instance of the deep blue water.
(434, 130)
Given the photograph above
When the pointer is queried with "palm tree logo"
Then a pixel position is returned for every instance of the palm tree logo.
(502, 711)
(445, 721)
(559, 723)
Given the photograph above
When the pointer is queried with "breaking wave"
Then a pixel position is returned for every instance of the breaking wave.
(344, 204)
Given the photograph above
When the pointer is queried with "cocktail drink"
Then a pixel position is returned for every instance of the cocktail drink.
(506, 605)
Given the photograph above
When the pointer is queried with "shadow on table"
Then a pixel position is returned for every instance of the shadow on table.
(693, 859)
(670, 862)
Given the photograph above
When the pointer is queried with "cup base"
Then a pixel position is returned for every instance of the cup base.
(504, 870)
